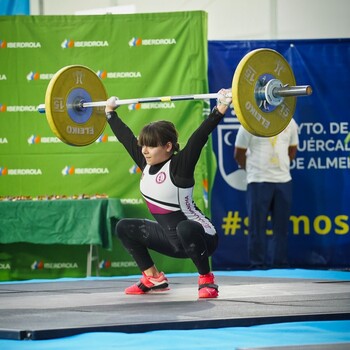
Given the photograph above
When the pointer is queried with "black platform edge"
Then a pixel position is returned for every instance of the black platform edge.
(43, 334)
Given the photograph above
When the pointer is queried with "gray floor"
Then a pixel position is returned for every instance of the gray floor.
(56, 309)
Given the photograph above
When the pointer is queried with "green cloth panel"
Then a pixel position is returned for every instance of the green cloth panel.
(135, 55)
(78, 222)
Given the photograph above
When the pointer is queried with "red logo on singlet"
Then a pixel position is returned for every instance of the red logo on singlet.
(160, 177)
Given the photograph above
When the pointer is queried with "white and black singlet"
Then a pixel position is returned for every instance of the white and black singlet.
(181, 229)
(168, 203)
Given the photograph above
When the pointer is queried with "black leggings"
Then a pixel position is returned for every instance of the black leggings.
(188, 241)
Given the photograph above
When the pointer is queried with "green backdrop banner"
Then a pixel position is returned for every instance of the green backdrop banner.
(140, 55)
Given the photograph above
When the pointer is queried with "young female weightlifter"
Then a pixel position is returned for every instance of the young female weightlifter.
(180, 230)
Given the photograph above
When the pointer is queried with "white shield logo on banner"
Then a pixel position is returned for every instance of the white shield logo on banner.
(237, 179)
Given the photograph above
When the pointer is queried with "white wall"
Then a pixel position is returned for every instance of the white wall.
(229, 19)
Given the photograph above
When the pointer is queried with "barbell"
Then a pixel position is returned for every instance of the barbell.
(264, 95)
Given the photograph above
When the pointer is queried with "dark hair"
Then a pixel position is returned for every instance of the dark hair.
(159, 133)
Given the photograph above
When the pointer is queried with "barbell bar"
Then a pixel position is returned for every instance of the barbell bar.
(279, 92)
(83, 104)
(263, 91)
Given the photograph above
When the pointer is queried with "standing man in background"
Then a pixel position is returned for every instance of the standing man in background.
(267, 163)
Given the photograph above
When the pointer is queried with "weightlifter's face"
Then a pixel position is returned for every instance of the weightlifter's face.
(156, 155)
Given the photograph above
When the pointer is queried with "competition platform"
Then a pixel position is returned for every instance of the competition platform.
(48, 309)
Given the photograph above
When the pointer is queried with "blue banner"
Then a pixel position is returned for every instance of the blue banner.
(14, 7)
(319, 223)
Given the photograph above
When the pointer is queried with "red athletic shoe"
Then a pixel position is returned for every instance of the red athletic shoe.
(207, 288)
(148, 284)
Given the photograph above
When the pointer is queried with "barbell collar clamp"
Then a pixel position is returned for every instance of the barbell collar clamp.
(269, 94)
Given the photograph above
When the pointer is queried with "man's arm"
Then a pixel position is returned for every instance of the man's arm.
(294, 141)
(240, 156)
(292, 151)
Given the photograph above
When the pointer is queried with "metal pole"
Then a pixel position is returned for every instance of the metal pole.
(41, 7)
(153, 99)
(287, 91)
(284, 91)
